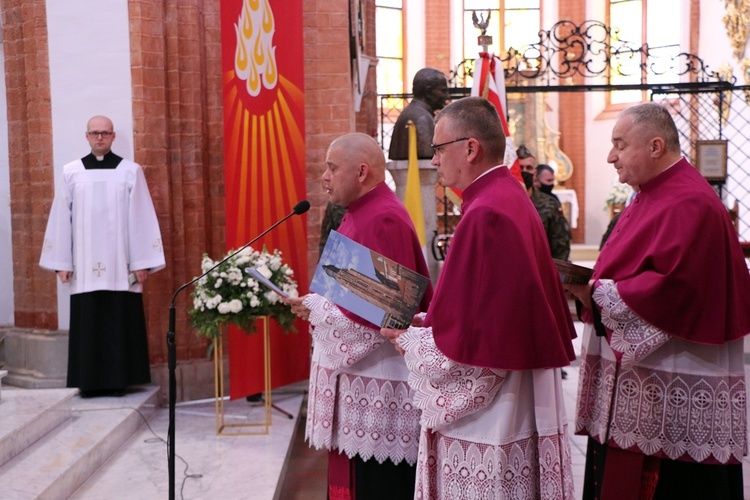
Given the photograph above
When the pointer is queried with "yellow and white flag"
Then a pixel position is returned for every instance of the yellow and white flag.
(413, 193)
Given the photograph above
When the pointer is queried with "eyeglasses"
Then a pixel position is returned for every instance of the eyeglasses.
(436, 147)
(105, 134)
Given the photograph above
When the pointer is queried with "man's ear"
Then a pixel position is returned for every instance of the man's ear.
(363, 172)
(472, 148)
(657, 147)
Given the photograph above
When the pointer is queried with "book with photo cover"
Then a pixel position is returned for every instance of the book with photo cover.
(573, 274)
(368, 284)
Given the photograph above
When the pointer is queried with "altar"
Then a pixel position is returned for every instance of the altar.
(569, 201)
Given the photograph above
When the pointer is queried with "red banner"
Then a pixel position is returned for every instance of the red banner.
(264, 158)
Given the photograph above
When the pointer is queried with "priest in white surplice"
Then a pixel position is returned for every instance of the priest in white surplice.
(103, 240)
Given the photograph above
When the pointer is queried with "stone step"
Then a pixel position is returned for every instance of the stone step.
(90, 431)
(26, 416)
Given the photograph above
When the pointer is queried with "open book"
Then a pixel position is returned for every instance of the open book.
(573, 274)
(368, 284)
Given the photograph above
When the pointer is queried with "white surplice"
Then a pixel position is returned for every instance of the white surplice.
(102, 226)
(359, 401)
(649, 392)
(487, 433)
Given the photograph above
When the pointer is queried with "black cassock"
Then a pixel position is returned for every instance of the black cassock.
(108, 347)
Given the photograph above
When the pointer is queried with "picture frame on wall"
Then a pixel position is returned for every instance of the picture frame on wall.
(711, 159)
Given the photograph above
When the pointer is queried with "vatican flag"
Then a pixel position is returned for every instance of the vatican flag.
(413, 194)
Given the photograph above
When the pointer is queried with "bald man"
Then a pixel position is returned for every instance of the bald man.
(103, 240)
(360, 406)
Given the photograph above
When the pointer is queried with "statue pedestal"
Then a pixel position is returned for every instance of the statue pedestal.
(427, 179)
(36, 359)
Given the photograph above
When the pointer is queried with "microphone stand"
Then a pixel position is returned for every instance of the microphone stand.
(300, 208)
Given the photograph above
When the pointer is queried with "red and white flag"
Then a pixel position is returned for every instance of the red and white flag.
(489, 82)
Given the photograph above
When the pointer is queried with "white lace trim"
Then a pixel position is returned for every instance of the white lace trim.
(632, 336)
(362, 416)
(666, 409)
(538, 467)
(340, 342)
(526, 463)
(445, 391)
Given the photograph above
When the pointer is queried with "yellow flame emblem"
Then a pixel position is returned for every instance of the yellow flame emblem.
(255, 56)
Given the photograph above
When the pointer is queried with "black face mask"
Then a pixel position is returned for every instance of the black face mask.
(546, 188)
(528, 179)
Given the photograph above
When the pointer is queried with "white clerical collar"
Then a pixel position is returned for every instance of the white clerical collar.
(99, 158)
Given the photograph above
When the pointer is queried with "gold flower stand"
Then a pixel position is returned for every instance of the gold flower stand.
(246, 428)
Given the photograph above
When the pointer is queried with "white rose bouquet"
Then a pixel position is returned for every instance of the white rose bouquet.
(228, 295)
(618, 194)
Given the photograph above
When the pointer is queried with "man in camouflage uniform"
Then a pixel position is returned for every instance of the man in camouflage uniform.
(331, 220)
(550, 210)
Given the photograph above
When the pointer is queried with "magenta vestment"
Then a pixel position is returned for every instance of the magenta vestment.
(359, 401)
(499, 301)
(663, 381)
(677, 261)
(485, 368)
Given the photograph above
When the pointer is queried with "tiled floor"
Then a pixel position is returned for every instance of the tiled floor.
(276, 465)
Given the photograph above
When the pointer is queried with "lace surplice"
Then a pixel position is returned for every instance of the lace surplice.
(653, 393)
(486, 433)
(359, 401)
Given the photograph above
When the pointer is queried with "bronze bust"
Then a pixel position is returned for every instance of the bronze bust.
(430, 88)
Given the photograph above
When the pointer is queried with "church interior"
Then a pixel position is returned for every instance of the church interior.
(231, 120)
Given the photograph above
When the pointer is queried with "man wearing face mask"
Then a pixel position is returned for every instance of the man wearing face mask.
(550, 210)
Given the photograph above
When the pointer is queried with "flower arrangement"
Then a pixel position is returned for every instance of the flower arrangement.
(228, 295)
(618, 195)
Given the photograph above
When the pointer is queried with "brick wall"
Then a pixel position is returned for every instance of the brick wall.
(573, 125)
(695, 23)
(24, 26)
(437, 39)
(328, 99)
(367, 117)
(178, 138)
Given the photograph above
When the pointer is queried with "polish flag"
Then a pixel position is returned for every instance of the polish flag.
(489, 82)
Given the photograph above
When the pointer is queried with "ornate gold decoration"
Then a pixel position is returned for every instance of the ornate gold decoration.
(549, 140)
(737, 22)
(725, 74)
(745, 67)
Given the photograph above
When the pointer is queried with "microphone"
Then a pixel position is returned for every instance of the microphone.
(300, 208)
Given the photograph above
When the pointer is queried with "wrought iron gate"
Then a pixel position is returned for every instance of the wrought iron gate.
(719, 116)
(582, 58)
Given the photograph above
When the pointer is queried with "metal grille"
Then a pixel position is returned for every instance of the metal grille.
(707, 107)
(722, 115)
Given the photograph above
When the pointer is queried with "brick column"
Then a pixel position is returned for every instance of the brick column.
(329, 105)
(437, 39)
(177, 122)
(24, 24)
(573, 126)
